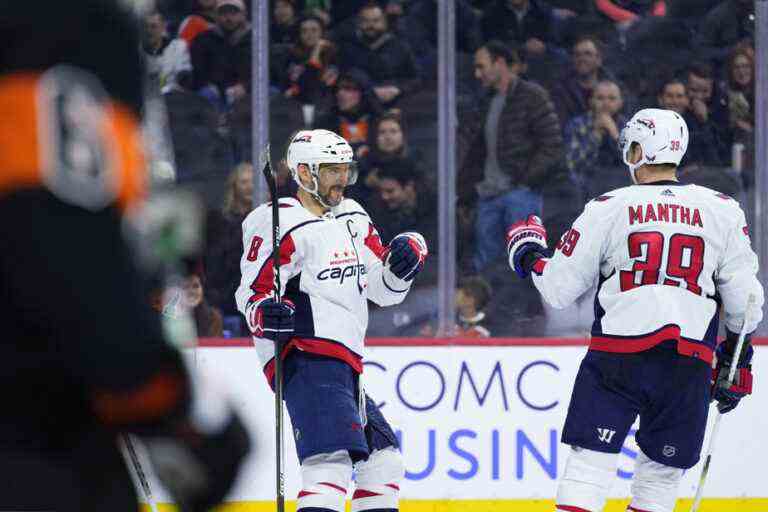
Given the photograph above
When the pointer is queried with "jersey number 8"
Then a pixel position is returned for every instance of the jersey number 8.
(685, 261)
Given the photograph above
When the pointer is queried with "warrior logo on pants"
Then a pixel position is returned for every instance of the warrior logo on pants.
(605, 435)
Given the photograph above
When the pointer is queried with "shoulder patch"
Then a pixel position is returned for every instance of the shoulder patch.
(725, 197)
(600, 199)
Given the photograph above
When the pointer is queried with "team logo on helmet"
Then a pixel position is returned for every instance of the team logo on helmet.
(647, 122)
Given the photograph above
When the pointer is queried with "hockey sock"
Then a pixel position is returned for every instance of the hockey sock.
(376, 498)
(654, 486)
(322, 497)
(324, 482)
(586, 481)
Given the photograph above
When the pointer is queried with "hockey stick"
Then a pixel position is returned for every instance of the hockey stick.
(128, 443)
(269, 175)
(716, 427)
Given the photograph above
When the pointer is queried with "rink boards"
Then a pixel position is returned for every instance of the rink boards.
(480, 428)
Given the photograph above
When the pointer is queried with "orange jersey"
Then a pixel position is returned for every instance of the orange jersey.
(193, 26)
(56, 135)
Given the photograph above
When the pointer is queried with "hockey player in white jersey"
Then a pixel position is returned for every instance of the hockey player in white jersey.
(332, 263)
(666, 257)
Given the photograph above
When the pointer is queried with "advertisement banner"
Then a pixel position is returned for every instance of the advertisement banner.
(479, 423)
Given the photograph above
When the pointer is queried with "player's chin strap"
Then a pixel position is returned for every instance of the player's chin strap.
(314, 190)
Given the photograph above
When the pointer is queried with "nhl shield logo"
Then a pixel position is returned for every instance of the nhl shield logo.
(669, 451)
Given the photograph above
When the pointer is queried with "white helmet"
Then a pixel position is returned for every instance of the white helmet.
(315, 147)
(662, 135)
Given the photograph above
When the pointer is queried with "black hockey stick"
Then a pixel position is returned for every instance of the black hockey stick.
(269, 175)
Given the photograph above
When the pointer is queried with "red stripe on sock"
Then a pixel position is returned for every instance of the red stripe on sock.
(363, 493)
(334, 486)
(394, 486)
(569, 508)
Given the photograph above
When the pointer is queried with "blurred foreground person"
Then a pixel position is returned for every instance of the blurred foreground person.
(83, 358)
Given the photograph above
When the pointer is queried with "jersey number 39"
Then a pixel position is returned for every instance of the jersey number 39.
(685, 261)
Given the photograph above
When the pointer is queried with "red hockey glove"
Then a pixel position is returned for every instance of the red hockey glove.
(526, 242)
(728, 396)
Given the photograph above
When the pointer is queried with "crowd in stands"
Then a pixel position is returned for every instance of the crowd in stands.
(544, 88)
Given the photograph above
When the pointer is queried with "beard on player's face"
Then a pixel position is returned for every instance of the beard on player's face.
(331, 195)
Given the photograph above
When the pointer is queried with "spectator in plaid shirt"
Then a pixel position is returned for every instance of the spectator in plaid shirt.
(592, 150)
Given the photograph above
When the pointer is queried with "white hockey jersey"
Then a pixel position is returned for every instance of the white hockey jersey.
(329, 266)
(664, 257)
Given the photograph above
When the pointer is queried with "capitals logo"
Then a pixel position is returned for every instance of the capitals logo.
(345, 264)
(648, 123)
(340, 274)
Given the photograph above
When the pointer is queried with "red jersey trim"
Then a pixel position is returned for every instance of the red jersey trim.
(633, 344)
(539, 265)
(373, 242)
(319, 347)
(263, 285)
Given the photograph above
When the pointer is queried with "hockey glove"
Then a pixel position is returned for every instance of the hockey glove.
(199, 468)
(405, 255)
(275, 320)
(728, 396)
(526, 243)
